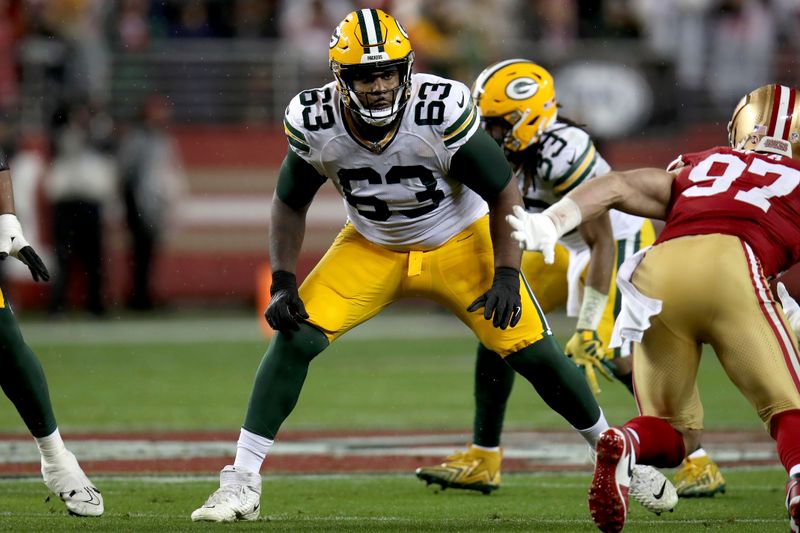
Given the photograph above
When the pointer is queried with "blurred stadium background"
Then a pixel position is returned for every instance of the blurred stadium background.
(649, 78)
(160, 386)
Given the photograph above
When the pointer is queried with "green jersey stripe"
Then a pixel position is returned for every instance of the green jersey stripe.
(464, 116)
(571, 170)
(294, 131)
(299, 145)
(455, 138)
(586, 173)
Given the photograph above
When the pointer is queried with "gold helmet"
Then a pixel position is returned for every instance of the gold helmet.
(767, 120)
(370, 40)
(519, 96)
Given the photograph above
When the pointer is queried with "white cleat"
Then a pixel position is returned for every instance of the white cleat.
(653, 490)
(66, 480)
(237, 498)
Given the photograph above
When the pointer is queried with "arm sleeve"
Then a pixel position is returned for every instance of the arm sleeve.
(480, 165)
(3, 161)
(298, 181)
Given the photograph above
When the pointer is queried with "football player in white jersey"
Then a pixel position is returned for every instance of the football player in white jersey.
(426, 190)
(551, 155)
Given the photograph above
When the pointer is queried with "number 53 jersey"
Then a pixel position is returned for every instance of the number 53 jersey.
(397, 190)
(750, 195)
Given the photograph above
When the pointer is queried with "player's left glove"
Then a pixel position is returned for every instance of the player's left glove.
(285, 310)
(534, 232)
(586, 350)
(501, 302)
(790, 308)
(13, 243)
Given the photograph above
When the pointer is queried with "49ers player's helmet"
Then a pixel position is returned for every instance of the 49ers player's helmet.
(767, 120)
(370, 40)
(517, 94)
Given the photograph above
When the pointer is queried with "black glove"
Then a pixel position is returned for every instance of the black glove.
(502, 300)
(285, 309)
(34, 263)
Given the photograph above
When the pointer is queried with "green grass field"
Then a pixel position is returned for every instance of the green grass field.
(408, 377)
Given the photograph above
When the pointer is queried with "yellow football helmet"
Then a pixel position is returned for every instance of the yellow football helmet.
(519, 95)
(767, 120)
(371, 40)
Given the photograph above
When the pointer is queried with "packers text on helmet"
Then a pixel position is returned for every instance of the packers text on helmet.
(519, 95)
(370, 41)
(767, 120)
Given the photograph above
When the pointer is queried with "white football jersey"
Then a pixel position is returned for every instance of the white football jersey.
(567, 157)
(397, 192)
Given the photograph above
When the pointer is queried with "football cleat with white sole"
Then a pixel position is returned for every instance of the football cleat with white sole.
(65, 478)
(653, 490)
(237, 498)
(608, 493)
(473, 469)
(793, 503)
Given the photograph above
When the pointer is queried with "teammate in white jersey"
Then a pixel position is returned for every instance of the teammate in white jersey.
(426, 191)
(551, 156)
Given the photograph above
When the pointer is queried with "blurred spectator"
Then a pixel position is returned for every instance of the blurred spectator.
(553, 23)
(256, 19)
(80, 182)
(8, 42)
(306, 27)
(447, 41)
(152, 182)
(133, 31)
(743, 42)
(194, 21)
(82, 24)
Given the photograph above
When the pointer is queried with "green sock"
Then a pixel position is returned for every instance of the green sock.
(493, 381)
(558, 381)
(22, 378)
(280, 378)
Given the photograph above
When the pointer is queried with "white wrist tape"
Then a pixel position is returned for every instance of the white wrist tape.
(592, 308)
(565, 214)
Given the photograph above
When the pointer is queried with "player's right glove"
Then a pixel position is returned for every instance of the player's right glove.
(790, 308)
(586, 350)
(285, 310)
(534, 232)
(13, 243)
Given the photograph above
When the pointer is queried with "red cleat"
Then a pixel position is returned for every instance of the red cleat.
(608, 493)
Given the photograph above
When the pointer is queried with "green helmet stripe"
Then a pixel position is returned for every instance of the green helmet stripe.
(378, 33)
(363, 25)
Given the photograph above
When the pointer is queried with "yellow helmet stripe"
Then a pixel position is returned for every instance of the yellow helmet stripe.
(371, 35)
(577, 172)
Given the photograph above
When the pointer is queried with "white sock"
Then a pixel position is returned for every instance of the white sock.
(487, 448)
(699, 452)
(251, 451)
(591, 434)
(50, 446)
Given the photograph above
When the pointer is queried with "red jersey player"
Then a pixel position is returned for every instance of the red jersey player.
(731, 224)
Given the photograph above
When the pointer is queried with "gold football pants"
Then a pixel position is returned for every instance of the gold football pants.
(713, 292)
(356, 279)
